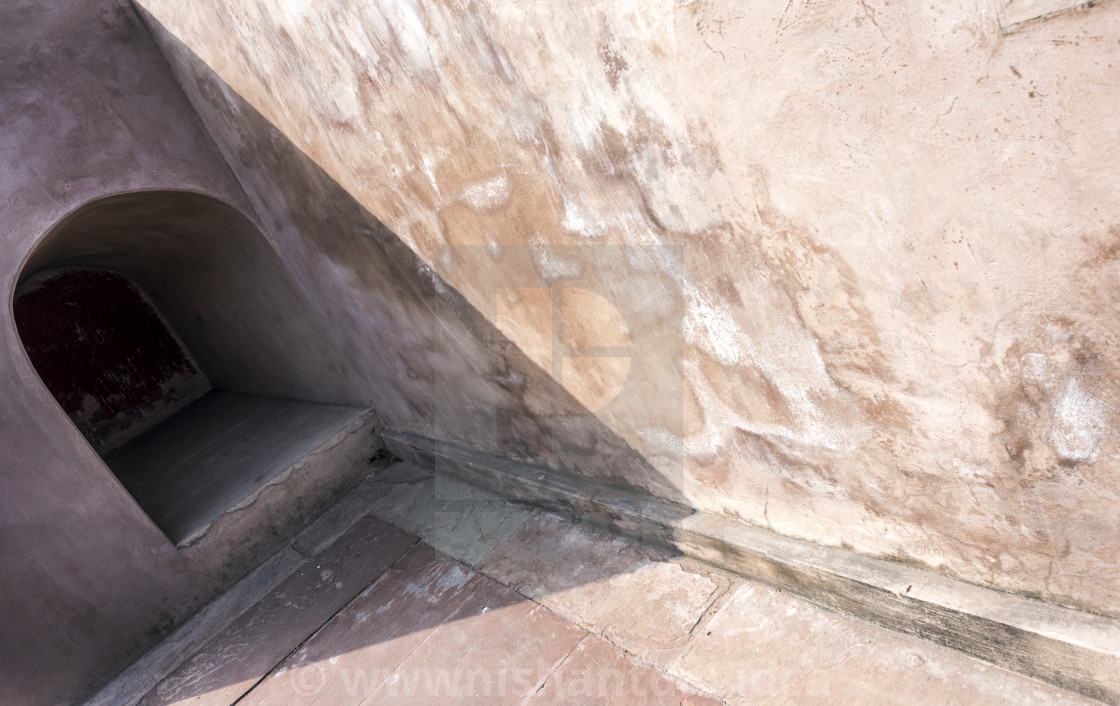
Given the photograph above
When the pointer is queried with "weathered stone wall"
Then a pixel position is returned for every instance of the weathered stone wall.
(883, 238)
(849, 272)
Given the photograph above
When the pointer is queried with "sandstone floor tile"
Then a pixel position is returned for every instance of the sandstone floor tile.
(607, 584)
(599, 674)
(339, 518)
(407, 505)
(143, 675)
(496, 651)
(768, 647)
(227, 666)
(457, 519)
(360, 647)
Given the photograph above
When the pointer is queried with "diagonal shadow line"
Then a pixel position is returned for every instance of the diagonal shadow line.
(329, 223)
(333, 226)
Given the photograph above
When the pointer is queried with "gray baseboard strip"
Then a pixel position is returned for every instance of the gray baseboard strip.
(1066, 647)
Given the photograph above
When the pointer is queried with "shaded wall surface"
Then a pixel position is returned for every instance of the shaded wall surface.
(104, 353)
(215, 277)
(847, 272)
(878, 241)
(103, 165)
(300, 293)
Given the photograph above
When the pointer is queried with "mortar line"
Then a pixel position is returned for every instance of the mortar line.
(555, 667)
(286, 658)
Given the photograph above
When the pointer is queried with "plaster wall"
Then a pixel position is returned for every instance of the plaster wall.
(879, 241)
(104, 352)
(90, 111)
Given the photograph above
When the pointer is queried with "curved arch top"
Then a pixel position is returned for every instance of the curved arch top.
(214, 276)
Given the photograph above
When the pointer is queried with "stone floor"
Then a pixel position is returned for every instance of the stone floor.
(418, 588)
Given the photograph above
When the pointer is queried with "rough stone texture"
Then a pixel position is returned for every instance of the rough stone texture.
(404, 638)
(1070, 648)
(597, 673)
(608, 585)
(455, 518)
(882, 236)
(426, 357)
(242, 654)
(847, 272)
(767, 647)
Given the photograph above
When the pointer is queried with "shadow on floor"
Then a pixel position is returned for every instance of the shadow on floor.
(198, 464)
(430, 363)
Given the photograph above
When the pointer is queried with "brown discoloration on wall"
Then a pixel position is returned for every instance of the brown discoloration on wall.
(841, 237)
(868, 221)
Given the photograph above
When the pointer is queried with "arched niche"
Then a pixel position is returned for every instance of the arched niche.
(165, 326)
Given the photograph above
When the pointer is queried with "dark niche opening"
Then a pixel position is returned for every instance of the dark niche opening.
(168, 331)
(105, 354)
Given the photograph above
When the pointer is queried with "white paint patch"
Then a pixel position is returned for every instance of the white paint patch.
(1035, 366)
(721, 421)
(416, 46)
(647, 253)
(550, 264)
(784, 358)
(488, 194)
(454, 579)
(429, 274)
(429, 171)
(663, 442)
(974, 474)
(576, 221)
(1077, 424)
(711, 329)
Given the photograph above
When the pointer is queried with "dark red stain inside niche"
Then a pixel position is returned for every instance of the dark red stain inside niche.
(103, 352)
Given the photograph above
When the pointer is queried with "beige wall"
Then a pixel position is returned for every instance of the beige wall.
(866, 255)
